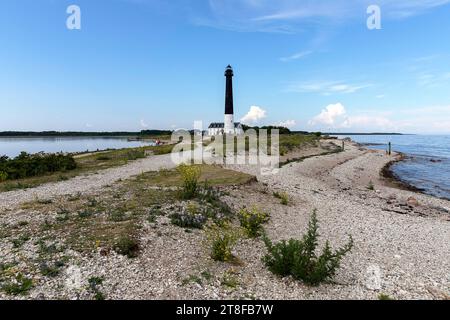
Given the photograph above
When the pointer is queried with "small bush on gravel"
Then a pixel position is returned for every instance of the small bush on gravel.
(298, 257)
(283, 196)
(189, 217)
(127, 246)
(222, 240)
(20, 285)
(117, 216)
(94, 283)
(383, 296)
(252, 220)
(190, 185)
(371, 186)
(135, 154)
(83, 214)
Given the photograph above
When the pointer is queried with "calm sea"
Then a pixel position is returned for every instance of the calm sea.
(13, 146)
(428, 163)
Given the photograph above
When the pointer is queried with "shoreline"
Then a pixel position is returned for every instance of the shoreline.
(397, 181)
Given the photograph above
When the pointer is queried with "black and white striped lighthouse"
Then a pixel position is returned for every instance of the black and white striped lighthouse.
(229, 127)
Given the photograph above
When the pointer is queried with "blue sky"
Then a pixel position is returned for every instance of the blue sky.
(311, 65)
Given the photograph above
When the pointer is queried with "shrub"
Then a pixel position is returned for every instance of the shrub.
(189, 217)
(27, 165)
(383, 296)
(221, 240)
(135, 154)
(127, 246)
(190, 185)
(283, 196)
(94, 283)
(3, 176)
(20, 285)
(298, 257)
(371, 186)
(252, 220)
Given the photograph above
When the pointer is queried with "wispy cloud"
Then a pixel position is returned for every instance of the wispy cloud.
(296, 56)
(327, 87)
(144, 124)
(289, 16)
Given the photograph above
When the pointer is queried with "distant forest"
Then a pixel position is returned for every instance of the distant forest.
(83, 134)
(365, 134)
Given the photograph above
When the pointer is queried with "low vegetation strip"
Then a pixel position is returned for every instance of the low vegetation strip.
(26, 165)
(30, 171)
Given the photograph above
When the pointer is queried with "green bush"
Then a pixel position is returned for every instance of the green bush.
(26, 165)
(190, 185)
(190, 217)
(3, 176)
(221, 240)
(252, 220)
(127, 246)
(283, 196)
(298, 257)
(20, 285)
(136, 154)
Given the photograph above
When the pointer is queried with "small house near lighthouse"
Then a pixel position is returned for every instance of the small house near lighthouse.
(228, 126)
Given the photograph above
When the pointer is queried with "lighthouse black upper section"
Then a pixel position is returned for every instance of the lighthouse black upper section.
(229, 91)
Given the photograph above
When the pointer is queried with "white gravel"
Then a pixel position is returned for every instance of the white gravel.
(400, 250)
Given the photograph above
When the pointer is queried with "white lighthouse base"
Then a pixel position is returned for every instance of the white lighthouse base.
(229, 124)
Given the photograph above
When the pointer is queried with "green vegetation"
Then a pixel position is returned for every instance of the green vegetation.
(298, 257)
(26, 165)
(189, 217)
(221, 240)
(190, 185)
(18, 285)
(230, 280)
(210, 174)
(127, 246)
(283, 196)
(371, 186)
(383, 296)
(94, 284)
(290, 142)
(84, 164)
(282, 130)
(252, 220)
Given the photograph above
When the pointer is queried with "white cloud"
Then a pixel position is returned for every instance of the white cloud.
(366, 121)
(287, 123)
(327, 87)
(254, 115)
(144, 124)
(297, 56)
(329, 115)
(426, 120)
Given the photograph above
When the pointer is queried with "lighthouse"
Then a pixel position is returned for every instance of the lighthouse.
(229, 109)
(228, 126)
